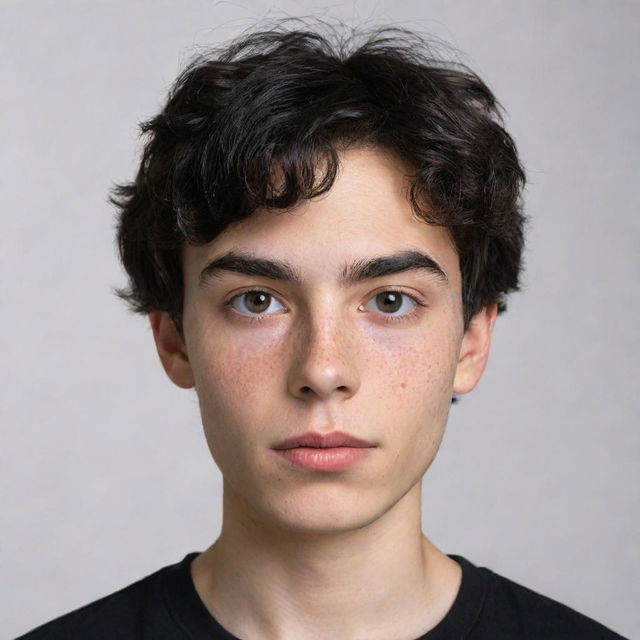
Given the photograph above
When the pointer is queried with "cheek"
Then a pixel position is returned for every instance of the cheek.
(416, 366)
(236, 376)
(413, 380)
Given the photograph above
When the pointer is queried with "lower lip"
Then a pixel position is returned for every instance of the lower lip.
(330, 459)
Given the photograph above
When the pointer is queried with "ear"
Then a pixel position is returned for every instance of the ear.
(474, 351)
(171, 349)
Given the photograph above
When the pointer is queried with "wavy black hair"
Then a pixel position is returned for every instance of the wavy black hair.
(260, 123)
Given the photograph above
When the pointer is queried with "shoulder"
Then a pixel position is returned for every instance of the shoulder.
(520, 612)
(122, 614)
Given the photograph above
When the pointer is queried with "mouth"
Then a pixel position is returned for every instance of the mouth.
(316, 451)
(316, 440)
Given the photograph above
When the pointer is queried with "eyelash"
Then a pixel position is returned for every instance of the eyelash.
(386, 317)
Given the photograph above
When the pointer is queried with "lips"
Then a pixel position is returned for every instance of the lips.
(323, 452)
(316, 440)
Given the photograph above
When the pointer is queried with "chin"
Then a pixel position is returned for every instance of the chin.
(322, 524)
(322, 514)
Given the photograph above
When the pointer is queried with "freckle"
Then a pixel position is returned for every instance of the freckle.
(403, 385)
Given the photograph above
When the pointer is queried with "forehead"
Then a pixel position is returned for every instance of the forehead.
(365, 214)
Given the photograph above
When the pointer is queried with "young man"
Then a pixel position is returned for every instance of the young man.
(322, 234)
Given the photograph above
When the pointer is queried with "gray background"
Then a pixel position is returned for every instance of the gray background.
(105, 475)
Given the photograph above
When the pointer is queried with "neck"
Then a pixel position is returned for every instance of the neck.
(384, 579)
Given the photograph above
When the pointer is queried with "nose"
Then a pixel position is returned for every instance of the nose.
(325, 365)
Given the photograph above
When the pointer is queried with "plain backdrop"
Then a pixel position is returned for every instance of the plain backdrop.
(104, 471)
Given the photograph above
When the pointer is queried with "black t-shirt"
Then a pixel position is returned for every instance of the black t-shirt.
(165, 606)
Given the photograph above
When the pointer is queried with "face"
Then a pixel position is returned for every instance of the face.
(377, 355)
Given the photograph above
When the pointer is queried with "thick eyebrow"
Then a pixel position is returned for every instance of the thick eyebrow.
(357, 271)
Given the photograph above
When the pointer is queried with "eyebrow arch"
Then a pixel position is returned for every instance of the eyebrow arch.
(358, 271)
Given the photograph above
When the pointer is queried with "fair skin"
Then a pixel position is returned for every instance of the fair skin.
(315, 555)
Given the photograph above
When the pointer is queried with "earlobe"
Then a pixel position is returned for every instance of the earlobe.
(171, 349)
(474, 351)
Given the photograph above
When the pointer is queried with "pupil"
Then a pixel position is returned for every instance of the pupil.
(259, 301)
(389, 298)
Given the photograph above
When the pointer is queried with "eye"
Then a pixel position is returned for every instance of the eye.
(254, 302)
(393, 303)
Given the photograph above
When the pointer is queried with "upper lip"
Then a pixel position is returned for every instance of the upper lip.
(323, 440)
